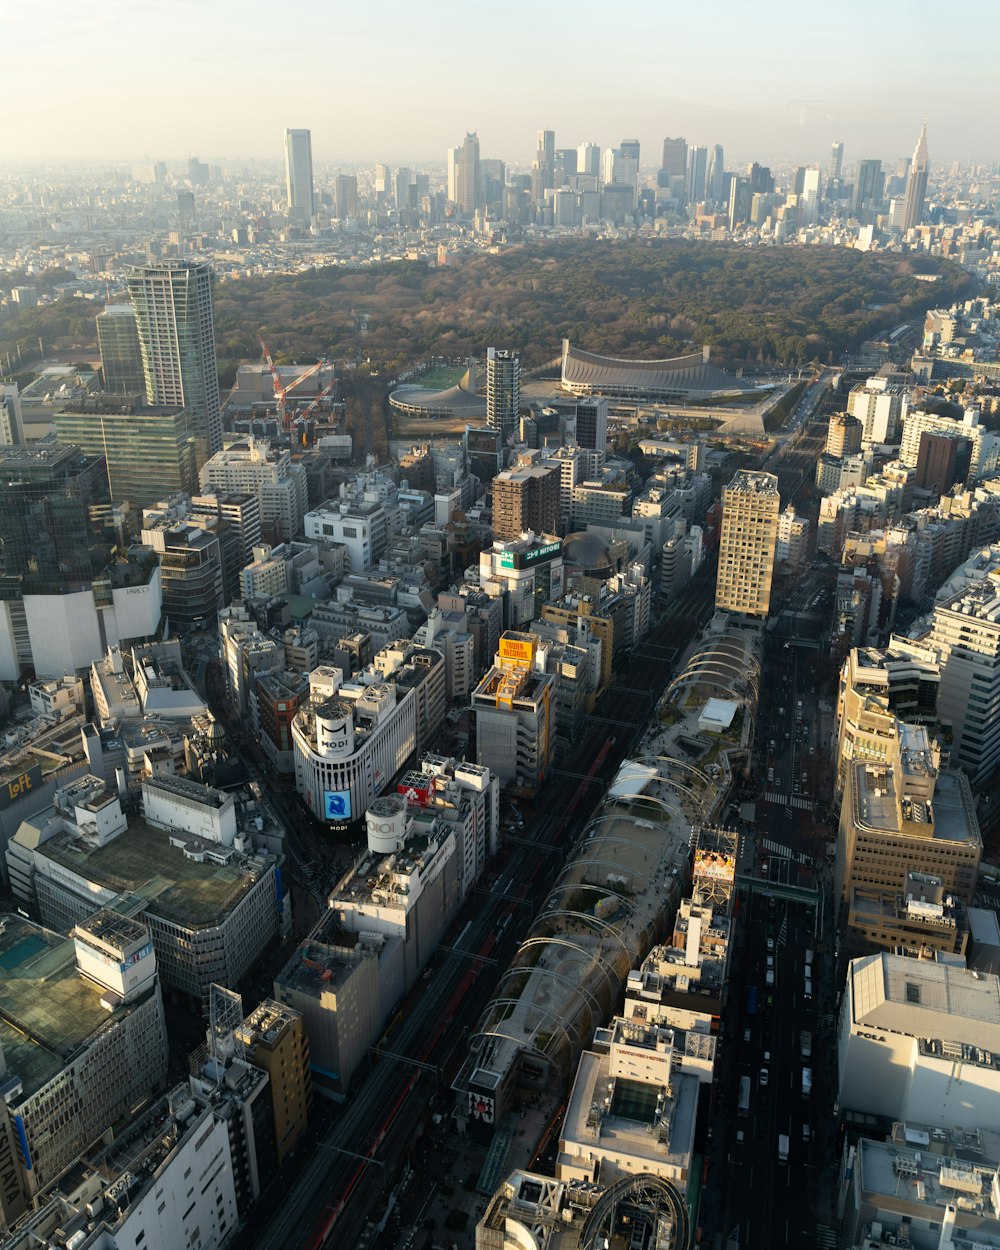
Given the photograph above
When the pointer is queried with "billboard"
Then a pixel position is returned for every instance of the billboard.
(415, 791)
(714, 865)
(16, 787)
(524, 559)
(481, 1107)
(519, 649)
(337, 804)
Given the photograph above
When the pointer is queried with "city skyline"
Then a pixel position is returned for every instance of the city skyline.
(784, 89)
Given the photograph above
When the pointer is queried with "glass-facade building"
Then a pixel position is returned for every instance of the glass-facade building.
(121, 358)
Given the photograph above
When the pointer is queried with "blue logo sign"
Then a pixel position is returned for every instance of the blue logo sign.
(337, 804)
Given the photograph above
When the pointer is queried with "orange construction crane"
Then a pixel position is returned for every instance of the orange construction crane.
(281, 391)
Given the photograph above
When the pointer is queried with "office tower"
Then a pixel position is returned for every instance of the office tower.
(197, 172)
(149, 452)
(809, 197)
(588, 159)
(629, 149)
(526, 497)
(503, 391)
(675, 157)
(543, 171)
(748, 542)
(760, 179)
(867, 190)
(346, 189)
(836, 160)
(47, 536)
(185, 209)
(566, 165)
(467, 175)
(454, 156)
(916, 184)
(715, 177)
(118, 343)
(739, 200)
(383, 183)
(173, 311)
(190, 559)
(485, 449)
(697, 174)
(401, 183)
(492, 177)
(881, 407)
(592, 423)
(299, 175)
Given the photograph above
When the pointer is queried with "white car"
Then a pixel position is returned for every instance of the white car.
(763, 1078)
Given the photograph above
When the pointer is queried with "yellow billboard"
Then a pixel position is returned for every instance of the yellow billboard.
(521, 650)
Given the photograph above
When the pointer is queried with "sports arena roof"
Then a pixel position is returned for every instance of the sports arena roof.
(681, 378)
(462, 400)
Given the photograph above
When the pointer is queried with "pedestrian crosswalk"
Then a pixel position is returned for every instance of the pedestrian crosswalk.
(776, 848)
(796, 800)
(825, 1236)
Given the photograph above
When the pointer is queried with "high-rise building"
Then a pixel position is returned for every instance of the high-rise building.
(697, 174)
(739, 200)
(515, 720)
(675, 157)
(467, 175)
(588, 159)
(716, 176)
(401, 183)
(844, 433)
(592, 423)
(278, 482)
(543, 171)
(121, 358)
(916, 184)
(346, 190)
(11, 423)
(526, 497)
(836, 160)
(173, 311)
(503, 390)
(748, 543)
(868, 186)
(299, 175)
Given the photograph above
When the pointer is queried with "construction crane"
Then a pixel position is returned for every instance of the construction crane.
(280, 391)
(301, 417)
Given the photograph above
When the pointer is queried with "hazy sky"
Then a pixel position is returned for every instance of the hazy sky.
(388, 80)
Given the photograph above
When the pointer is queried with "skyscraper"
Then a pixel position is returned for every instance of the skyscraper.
(467, 175)
(299, 175)
(715, 179)
(173, 312)
(836, 160)
(697, 174)
(675, 157)
(916, 184)
(747, 543)
(543, 171)
(346, 188)
(118, 343)
(867, 190)
(503, 390)
(588, 159)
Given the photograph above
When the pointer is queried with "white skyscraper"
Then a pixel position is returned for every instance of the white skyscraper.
(299, 174)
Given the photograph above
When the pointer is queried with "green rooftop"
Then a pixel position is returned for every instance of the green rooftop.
(141, 861)
(47, 1010)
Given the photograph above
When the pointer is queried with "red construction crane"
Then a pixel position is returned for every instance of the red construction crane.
(280, 391)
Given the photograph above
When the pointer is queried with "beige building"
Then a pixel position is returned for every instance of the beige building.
(515, 717)
(843, 437)
(275, 1039)
(526, 497)
(748, 543)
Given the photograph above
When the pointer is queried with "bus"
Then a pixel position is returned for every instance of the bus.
(744, 1103)
(751, 1000)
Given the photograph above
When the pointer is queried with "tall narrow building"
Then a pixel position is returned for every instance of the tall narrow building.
(467, 175)
(916, 184)
(173, 312)
(748, 543)
(503, 391)
(118, 343)
(715, 179)
(299, 175)
(543, 171)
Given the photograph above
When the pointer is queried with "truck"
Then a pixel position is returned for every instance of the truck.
(806, 1044)
(751, 1000)
(782, 1147)
(807, 1082)
(743, 1108)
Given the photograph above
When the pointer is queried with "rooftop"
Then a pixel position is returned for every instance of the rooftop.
(143, 861)
(47, 1010)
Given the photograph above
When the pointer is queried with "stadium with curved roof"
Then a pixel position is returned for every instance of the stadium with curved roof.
(679, 379)
(466, 400)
